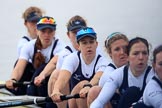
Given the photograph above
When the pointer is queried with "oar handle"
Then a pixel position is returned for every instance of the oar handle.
(66, 97)
(2, 86)
(19, 84)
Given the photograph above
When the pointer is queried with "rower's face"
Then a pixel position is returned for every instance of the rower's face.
(138, 57)
(158, 65)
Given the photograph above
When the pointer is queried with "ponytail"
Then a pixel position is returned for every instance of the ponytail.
(38, 58)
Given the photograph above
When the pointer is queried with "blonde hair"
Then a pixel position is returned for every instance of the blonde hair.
(112, 38)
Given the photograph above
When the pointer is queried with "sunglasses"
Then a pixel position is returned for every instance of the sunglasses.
(86, 30)
(47, 20)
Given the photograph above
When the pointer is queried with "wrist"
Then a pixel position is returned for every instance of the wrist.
(87, 85)
(42, 75)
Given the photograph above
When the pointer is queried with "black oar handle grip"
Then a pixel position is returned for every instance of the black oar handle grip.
(19, 84)
(66, 97)
(48, 99)
(2, 86)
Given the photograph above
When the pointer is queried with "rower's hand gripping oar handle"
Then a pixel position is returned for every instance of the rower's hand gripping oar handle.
(17, 84)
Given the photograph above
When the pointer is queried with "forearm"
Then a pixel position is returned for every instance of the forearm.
(59, 85)
(96, 78)
(51, 82)
(62, 80)
(50, 67)
(86, 87)
(161, 105)
(105, 95)
(19, 69)
(156, 101)
(16, 74)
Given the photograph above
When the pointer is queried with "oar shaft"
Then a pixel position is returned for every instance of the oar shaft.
(25, 102)
(36, 100)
